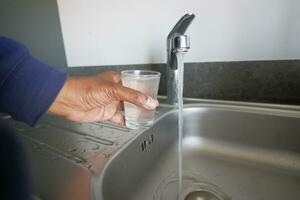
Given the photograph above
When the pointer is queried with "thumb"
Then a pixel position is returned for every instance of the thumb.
(135, 97)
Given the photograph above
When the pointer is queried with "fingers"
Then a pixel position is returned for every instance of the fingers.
(127, 94)
(118, 118)
(135, 97)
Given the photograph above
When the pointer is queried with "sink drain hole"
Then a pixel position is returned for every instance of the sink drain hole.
(195, 187)
(203, 191)
(201, 195)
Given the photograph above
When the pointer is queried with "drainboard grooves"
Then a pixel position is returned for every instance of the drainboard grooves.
(112, 126)
(87, 136)
(59, 152)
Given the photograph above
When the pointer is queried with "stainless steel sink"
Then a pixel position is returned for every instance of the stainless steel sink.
(229, 152)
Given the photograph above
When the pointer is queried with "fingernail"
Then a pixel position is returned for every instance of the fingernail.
(151, 104)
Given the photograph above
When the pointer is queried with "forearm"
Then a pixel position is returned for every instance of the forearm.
(28, 87)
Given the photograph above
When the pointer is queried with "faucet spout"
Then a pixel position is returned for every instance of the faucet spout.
(176, 41)
(179, 29)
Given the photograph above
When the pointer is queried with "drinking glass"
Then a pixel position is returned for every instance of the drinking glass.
(146, 82)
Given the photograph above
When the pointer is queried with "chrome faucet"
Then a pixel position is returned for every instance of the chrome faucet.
(176, 41)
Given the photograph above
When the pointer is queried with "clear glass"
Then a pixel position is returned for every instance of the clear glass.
(146, 82)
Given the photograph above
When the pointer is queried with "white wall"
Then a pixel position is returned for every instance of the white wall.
(114, 32)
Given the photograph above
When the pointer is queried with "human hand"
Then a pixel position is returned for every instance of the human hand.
(97, 98)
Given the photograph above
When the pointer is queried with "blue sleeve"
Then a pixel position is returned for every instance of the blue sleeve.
(27, 86)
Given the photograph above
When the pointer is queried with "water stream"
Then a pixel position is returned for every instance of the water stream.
(180, 65)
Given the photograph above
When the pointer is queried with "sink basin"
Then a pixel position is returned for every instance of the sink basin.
(229, 152)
